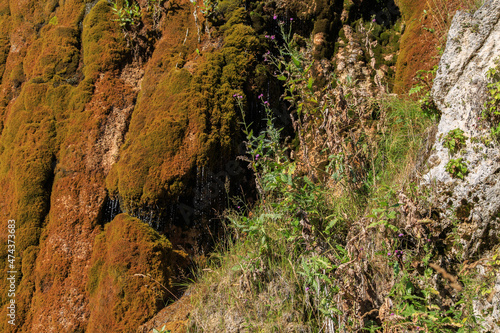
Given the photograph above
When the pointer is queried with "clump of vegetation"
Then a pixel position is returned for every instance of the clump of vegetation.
(128, 15)
(457, 168)
(288, 263)
(454, 140)
(492, 106)
(134, 267)
(422, 88)
(188, 119)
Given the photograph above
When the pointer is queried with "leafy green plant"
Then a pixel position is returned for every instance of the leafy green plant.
(128, 14)
(457, 168)
(209, 8)
(417, 308)
(383, 215)
(491, 110)
(454, 140)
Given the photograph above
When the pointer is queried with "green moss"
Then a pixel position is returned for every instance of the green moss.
(342, 35)
(238, 16)
(385, 37)
(17, 76)
(416, 53)
(56, 52)
(4, 52)
(228, 7)
(94, 275)
(157, 133)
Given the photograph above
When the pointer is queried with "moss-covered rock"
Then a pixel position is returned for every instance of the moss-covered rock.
(183, 119)
(131, 275)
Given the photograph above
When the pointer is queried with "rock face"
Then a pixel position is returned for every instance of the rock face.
(460, 92)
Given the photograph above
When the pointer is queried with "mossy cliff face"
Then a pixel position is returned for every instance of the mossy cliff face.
(426, 26)
(186, 115)
(72, 88)
(66, 100)
(92, 111)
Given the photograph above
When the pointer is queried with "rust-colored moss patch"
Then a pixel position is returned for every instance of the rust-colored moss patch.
(427, 24)
(131, 267)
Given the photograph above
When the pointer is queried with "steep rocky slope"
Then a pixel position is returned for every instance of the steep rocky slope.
(128, 107)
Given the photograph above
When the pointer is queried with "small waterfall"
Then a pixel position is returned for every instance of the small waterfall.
(111, 209)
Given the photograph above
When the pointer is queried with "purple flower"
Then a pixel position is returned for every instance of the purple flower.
(307, 288)
(291, 18)
(257, 157)
(272, 37)
(392, 314)
(260, 96)
(275, 17)
(235, 95)
(267, 36)
(239, 207)
(374, 20)
(268, 52)
(428, 240)
(389, 254)
(400, 235)
(240, 97)
(266, 102)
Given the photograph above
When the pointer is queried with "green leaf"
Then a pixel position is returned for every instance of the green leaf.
(393, 228)
(281, 77)
(374, 224)
(310, 83)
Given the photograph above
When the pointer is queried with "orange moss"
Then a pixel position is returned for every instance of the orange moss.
(103, 43)
(121, 299)
(424, 35)
(42, 100)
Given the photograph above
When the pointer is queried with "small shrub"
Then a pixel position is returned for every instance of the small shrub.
(425, 79)
(457, 168)
(454, 140)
